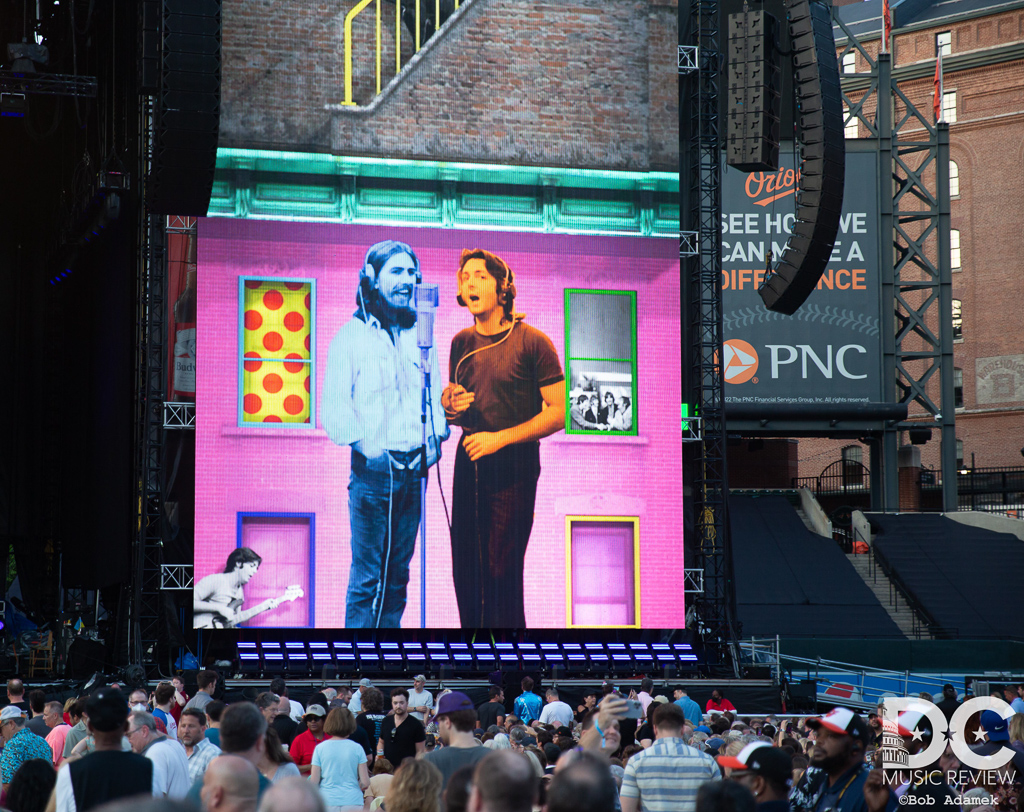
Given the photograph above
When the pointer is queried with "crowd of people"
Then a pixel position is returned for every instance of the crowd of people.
(347, 750)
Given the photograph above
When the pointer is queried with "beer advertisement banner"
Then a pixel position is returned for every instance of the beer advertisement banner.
(829, 352)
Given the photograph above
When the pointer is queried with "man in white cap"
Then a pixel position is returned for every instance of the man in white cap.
(20, 744)
(304, 743)
(840, 741)
(355, 704)
(765, 770)
(420, 699)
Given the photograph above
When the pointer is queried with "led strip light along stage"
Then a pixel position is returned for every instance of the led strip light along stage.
(819, 197)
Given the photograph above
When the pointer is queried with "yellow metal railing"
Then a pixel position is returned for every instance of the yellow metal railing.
(357, 10)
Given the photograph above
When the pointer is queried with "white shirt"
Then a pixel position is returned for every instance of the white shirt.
(297, 710)
(355, 704)
(417, 698)
(557, 713)
(170, 768)
(66, 793)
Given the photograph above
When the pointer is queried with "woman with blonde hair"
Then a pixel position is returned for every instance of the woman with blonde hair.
(1016, 731)
(339, 764)
(415, 788)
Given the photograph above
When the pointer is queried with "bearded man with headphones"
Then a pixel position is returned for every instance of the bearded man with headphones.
(507, 391)
(372, 402)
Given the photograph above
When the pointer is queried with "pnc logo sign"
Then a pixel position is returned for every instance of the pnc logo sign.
(793, 360)
(740, 361)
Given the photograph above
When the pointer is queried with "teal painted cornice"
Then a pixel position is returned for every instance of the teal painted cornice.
(319, 187)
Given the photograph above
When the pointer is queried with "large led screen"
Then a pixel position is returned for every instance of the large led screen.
(554, 494)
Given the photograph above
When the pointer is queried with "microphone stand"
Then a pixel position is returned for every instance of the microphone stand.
(425, 297)
(424, 405)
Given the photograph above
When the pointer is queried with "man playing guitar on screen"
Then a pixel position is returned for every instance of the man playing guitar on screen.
(218, 598)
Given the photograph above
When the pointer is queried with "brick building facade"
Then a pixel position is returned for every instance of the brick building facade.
(983, 65)
(589, 84)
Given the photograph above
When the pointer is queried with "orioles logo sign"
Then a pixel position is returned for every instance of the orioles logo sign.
(764, 187)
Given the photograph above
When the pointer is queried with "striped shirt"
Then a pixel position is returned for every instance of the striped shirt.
(203, 753)
(666, 776)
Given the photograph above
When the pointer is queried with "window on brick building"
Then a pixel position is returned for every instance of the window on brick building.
(954, 249)
(958, 320)
(944, 43)
(954, 179)
(853, 453)
(958, 387)
(949, 106)
(850, 62)
(850, 129)
(959, 453)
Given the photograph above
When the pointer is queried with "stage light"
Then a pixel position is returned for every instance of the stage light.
(412, 646)
(508, 657)
(317, 645)
(366, 645)
(388, 646)
(571, 646)
(576, 663)
(249, 663)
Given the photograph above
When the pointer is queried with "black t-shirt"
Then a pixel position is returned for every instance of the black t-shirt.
(505, 377)
(488, 714)
(645, 731)
(286, 727)
(450, 759)
(108, 775)
(371, 722)
(400, 742)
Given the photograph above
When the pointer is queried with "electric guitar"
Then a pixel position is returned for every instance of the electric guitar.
(232, 618)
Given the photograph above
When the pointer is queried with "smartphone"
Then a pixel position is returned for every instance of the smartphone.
(634, 709)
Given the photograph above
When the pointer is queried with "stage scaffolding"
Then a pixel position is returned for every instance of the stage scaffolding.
(700, 63)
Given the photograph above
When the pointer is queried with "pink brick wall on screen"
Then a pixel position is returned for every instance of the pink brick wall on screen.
(297, 470)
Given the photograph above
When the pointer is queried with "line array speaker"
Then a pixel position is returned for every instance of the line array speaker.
(819, 195)
(187, 114)
(752, 126)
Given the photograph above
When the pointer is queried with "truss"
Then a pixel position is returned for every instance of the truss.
(915, 263)
(145, 612)
(700, 260)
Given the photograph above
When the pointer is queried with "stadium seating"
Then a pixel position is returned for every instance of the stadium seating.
(964, 578)
(794, 583)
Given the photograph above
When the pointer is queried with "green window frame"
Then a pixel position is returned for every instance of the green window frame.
(601, 358)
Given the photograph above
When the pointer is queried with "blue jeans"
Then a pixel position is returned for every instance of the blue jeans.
(382, 545)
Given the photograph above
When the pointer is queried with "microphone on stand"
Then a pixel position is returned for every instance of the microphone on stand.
(425, 298)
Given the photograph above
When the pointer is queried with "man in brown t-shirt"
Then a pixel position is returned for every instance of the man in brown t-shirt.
(507, 391)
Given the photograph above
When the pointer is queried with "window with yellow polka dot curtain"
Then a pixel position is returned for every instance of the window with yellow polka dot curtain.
(276, 342)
